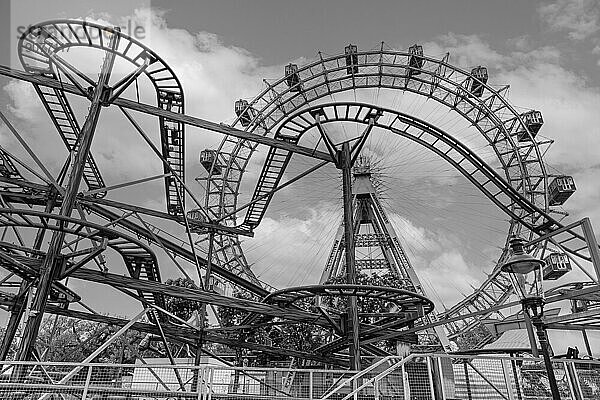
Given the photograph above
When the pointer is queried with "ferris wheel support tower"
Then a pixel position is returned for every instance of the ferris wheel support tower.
(368, 212)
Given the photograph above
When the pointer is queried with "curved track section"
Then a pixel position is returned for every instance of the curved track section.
(436, 79)
(491, 114)
(409, 307)
(38, 51)
(139, 259)
(497, 288)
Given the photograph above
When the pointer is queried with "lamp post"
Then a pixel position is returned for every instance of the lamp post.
(525, 272)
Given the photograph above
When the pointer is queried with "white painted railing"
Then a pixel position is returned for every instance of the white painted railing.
(428, 376)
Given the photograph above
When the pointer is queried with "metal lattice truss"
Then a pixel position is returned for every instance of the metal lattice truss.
(283, 112)
(38, 51)
(370, 216)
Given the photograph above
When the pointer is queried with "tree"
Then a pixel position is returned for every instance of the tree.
(370, 307)
(301, 337)
(183, 308)
(71, 340)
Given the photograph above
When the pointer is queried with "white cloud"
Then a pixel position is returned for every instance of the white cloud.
(448, 276)
(292, 251)
(25, 104)
(579, 18)
(465, 50)
(417, 238)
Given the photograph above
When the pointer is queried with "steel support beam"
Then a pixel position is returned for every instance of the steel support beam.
(51, 265)
(181, 334)
(159, 112)
(126, 282)
(590, 238)
(17, 311)
(175, 248)
(345, 158)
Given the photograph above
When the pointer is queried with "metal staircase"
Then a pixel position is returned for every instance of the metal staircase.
(61, 114)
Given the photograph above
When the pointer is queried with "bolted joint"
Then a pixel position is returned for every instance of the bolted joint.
(107, 92)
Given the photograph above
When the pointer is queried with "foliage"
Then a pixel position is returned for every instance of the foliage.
(301, 337)
(183, 308)
(63, 339)
(473, 338)
(366, 305)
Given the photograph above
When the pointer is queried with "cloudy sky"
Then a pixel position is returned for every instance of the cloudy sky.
(548, 51)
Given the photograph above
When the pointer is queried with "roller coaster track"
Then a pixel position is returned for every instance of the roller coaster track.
(491, 114)
(497, 288)
(38, 51)
(522, 192)
(139, 259)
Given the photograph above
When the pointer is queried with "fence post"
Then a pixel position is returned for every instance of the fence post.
(573, 379)
(430, 377)
(514, 367)
(509, 386)
(88, 378)
(198, 375)
(310, 385)
(405, 383)
(466, 368)
(211, 376)
(376, 389)
(442, 378)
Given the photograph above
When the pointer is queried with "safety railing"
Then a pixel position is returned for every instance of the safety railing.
(416, 377)
(446, 377)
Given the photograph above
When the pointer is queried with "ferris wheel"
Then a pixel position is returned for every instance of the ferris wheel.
(498, 149)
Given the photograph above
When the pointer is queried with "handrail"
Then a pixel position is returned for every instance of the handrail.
(359, 375)
(384, 378)
(380, 375)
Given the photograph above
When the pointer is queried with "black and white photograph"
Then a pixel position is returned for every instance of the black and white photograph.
(300, 200)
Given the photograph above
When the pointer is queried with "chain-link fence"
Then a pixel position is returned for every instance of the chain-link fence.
(417, 377)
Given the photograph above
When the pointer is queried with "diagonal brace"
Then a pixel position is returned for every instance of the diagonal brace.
(92, 253)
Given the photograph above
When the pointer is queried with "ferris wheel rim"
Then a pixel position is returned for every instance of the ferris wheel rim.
(275, 96)
(406, 118)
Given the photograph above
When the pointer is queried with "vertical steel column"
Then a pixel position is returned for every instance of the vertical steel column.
(207, 277)
(590, 239)
(346, 167)
(543, 339)
(51, 265)
(530, 334)
(18, 309)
